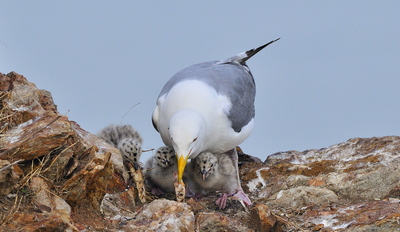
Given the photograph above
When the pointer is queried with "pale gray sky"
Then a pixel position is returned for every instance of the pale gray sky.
(334, 75)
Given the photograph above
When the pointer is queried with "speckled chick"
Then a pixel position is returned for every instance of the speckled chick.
(126, 139)
(159, 171)
(210, 173)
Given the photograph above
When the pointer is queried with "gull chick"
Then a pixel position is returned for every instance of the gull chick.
(126, 139)
(210, 173)
(160, 169)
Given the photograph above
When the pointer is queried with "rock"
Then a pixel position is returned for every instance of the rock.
(359, 171)
(22, 101)
(303, 196)
(263, 218)
(116, 206)
(375, 215)
(9, 177)
(218, 222)
(245, 158)
(37, 222)
(36, 137)
(48, 202)
(77, 165)
(162, 215)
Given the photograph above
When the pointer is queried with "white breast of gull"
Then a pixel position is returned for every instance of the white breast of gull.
(207, 107)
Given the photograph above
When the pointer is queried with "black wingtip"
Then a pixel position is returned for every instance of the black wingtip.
(252, 52)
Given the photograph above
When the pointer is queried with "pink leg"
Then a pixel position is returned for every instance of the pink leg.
(221, 202)
(192, 194)
(241, 195)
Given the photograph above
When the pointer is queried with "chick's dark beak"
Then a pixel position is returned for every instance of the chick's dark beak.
(204, 172)
(166, 163)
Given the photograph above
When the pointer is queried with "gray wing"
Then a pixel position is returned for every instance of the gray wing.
(242, 93)
(230, 77)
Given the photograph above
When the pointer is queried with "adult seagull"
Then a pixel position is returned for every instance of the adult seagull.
(207, 107)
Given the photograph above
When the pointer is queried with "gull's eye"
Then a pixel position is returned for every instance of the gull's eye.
(194, 139)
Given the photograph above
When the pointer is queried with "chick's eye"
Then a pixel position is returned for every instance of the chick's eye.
(194, 139)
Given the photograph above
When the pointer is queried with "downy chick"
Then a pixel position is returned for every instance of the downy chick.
(209, 173)
(126, 139)
(160, 169)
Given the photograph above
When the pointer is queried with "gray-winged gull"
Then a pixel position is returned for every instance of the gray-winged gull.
(207, 107)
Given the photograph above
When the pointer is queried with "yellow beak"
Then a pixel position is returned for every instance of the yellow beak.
(181, 166)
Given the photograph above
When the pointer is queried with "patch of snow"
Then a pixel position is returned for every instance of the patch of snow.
(296, 161)
(116, 217)
(345, 210)
(15, 134)
(327, 220)
(253, 183)
(20, 108)
(279, 195)
(342, 226)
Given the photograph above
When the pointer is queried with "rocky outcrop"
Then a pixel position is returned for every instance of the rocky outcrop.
(55, 176)
(352, 185)
(52, 166)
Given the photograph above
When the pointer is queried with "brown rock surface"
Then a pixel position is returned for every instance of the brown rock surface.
(263, 218)
(325, 183)
(55, 176)
(161, 215)
(215, 221)
(79, 168)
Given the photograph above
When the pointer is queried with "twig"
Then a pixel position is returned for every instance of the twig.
(9, 216)
(128, 112)
(152, 149)
(7, 116)
(145, 170)
(286, 221)
(38, 168)
(23, 97)
(55, 159)
(4, 44)
(10, 165)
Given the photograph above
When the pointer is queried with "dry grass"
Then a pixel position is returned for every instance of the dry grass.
(55, 159)
(287, 222)
(36, 170)
(8, 118)
(128, 112)
(14, 209)
(10, 165)
(2, 109)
